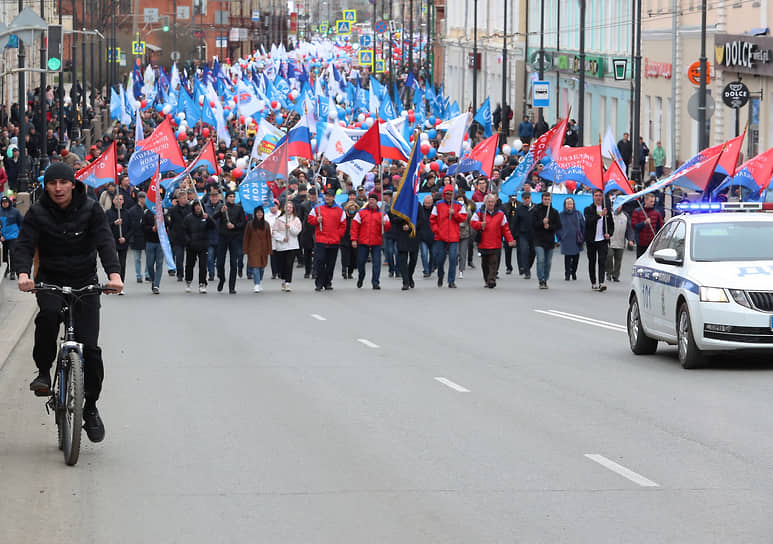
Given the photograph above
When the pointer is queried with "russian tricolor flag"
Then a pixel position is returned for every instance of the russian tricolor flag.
(393, 146)
(367, 148)
(299, 140)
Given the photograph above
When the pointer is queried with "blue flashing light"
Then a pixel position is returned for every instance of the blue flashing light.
(699, 207)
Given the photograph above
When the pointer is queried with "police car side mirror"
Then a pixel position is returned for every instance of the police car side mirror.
(667, 256)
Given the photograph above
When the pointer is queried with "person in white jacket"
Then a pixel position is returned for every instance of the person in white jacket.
(271, 217)
(285, 233)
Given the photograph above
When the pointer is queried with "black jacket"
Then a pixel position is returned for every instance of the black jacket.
(523, 222)
(423, 227)
(545, 237)
(175, 220)
(125, 230)
(148, 222)
(306, 238)
(67, 241)
(237, 218)
(591, 222)
(405, 243)
(511, 211)
(134, 217)
(197, 231)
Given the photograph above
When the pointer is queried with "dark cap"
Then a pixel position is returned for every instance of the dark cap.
(387, 191)
(59, 170)
(374, 196)
(303, 187)
(229, 193)
(330, 192)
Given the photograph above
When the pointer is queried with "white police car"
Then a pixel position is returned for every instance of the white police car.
(706, 285)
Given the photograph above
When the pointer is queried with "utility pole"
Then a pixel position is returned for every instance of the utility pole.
(60, 90)
(83, 70)
(503, 115)
(703, 133)
(541, 114)
(174, 25)
(410, 28)
(635, 168)
(22, 180)
(581, 96)
(74, 102)
(475, 57)
(42, 94)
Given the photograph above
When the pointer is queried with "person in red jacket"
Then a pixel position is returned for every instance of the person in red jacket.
(646, 223)
(493, 226)
(330, 223)
(368, 227)
(444, 220)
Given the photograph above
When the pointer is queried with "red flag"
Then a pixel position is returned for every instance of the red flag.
(276, 163)
(367, 148)
(550, 142)
(729, 159)
(208, 158)
(101, 171)
(153, 197)
(615, 179)
(163, 142)
(485, 153)
(698, 175)
(758, 169)
(581, 164)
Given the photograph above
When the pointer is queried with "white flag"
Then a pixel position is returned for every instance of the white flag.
(455, 130)
(265, 140)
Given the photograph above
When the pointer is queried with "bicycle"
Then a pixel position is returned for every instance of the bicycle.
(66, 396)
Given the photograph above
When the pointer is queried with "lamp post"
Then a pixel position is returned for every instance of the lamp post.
(42, 95)
(475, 57)
(541, 114)
(703, 133)
(22, 180)
(635, 169)
(581, 95)
(503, 115)
(410, 28)
(60, 90)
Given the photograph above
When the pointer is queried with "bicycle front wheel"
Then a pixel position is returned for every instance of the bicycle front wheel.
(72, 416)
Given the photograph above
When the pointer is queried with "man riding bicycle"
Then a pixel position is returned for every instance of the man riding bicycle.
(67, 229)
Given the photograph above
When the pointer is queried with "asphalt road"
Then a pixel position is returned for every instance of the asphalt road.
(469, 416)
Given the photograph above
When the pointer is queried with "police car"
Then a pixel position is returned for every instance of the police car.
(705, 284)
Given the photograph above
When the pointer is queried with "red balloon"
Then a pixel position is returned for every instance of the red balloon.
(410, 139)
(438, 121)
(235, 99)
(221, 156)
(205, 132)
(211, 103)
(411, 117)
(237, 173)
(182, 136)
(119, 168)
(434, 166)
(143, 104)
(227, 108)
(571, 185)
(425, 147)
(466, 136)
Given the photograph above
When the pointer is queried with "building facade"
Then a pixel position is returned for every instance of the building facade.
(459, 62)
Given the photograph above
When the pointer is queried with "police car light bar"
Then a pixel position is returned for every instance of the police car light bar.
(709, 207)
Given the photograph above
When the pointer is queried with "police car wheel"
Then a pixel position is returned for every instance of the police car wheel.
(640, 343)
(690, 355)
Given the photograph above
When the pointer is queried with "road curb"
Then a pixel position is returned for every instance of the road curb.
(22, 317)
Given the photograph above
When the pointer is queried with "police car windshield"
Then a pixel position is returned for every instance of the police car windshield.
(746, 241)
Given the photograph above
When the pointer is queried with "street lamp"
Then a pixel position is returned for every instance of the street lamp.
(475, 57)
(635, 169)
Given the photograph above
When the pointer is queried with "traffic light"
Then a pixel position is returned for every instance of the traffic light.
(54, 47)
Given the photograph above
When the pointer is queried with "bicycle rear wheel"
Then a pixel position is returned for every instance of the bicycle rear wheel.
(72, 415)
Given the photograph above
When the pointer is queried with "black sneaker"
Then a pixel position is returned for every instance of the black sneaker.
(318, 289)
(220, 284)
(93, 425)
(328, 287)
(359, 282)
(306, 276)
(41, 385)
(452, 285)
(12, 276)
(376, 287)
(440, 280)
(139, 280)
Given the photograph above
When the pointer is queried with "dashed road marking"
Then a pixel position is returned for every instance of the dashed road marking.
(585, 320)
(367, 343)
(621, 470)
(318, 317)
(452, 385)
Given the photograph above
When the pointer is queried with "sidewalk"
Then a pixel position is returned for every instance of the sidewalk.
(16, 312)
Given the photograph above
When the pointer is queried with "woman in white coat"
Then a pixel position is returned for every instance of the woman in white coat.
(285, 233)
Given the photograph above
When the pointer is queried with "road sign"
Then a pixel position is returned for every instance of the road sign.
(692, 106)
(534, 59)
(343, 27)
(366, 57)
(540, 94)
(694, 73)
(138, 48)
(381, 27)
(393, 26)
(735, 95)
(323, 27)
(255, 16)
(350, 15)
(113, 54)
(380, 66)
(366, 40)
(174, 55)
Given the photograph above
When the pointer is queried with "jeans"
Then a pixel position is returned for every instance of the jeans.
(138, 264)
(390, 255)
(362, 258)
(544, 258)
(257, 273)
(597, 249)
(426, 258)
(234, 248)
(155, 256)
(211, 260)
(440, 258)
(526, 253)
(178, 251)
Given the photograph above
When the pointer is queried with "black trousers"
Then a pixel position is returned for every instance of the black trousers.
(406, 261)
(284, 261)
(509, 257)
(122, 260)
(234, 248)
(86, 316)
(348, 260)
(8, 248)
(641, 250)
(570, 264)
(307, 254)
(597, 260)
(324, 263)
(179, 259)
(191, 256)
(525, 252)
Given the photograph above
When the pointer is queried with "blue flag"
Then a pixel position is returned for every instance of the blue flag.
(483, 117)
(405, 203)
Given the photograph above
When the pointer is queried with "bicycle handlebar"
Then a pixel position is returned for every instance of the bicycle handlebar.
(65, 290)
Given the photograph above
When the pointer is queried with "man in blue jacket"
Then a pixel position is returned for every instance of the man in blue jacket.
(10, 222)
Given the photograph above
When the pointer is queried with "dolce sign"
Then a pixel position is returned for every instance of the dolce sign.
(749, 54)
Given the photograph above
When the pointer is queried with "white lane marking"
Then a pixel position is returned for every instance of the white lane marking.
(621, 470)
(452, 385)
(318, 317)
(585, 320)
(367, 342)
(588, 319)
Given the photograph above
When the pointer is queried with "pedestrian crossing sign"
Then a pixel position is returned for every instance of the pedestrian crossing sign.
(350, 15)
(343, 27)
(113, 54)
(366, 57)
(380, 66)
(138, 48)
(323, 27)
